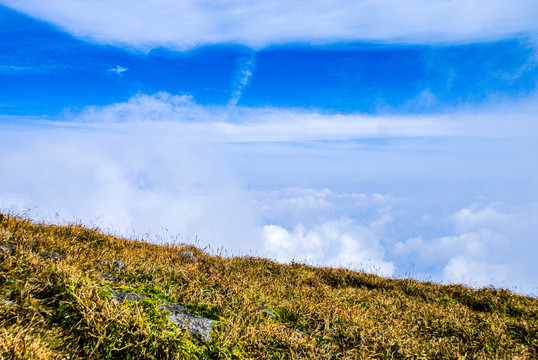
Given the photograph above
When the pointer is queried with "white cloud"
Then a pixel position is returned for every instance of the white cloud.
(14, 202)
(14, 68)
(117, 70)
(22, 68)
(324, 227)
(161, 108)
(282, 125)
(490, 246)
(441, 250)
(135, 178)
(467, 219)
(310, 207)
(243, 124)
(340, 242)
(186, 24)
(478, 273)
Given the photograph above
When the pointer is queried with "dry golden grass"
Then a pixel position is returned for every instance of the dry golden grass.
(60, 310)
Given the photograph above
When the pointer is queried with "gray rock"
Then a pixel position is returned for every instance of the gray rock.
(53, 256)
(114, 264)
(118, 264)
(7, 249)
(268, 312)
(121, 296)
(187, 256)
(5, 302)
(198, 326)
(231, 269)
(109, 277)
(297, 332)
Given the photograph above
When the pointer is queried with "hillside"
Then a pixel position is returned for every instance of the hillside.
(68, 292)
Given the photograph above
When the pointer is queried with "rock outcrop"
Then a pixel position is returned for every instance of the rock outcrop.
(7, 249)
(187, 256)
(197, 326)
(53, 256)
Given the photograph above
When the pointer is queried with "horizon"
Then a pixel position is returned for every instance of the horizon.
(398, 139)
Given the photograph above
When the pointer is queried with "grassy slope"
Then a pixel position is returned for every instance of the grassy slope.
(51, 310)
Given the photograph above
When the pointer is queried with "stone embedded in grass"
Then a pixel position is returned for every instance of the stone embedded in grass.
(197, 326)
(53, 256)
(5, 302)
(115, 264)
(299, 333)
(109, 277)
(231, 269)
(187, 256)
(118, 264)
(126, 295)
(268, 312)
(7, 249)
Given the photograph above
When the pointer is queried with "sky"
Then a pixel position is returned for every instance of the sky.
(394, 137)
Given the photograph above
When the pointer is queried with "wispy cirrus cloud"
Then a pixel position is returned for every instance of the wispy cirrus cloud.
(118, 70)
(189, 24)
(14, 68)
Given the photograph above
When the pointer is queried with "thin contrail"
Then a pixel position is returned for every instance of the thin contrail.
(245, 68)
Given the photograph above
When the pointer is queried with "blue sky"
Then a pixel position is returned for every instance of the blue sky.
(58, 70)
(396, 137)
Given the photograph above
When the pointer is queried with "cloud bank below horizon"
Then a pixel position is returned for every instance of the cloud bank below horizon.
(164, 165)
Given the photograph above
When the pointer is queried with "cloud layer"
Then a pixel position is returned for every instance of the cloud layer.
(430, 195)
(323, 227)
(245, 124)
(188, 24)
(489, 245)
(133, 180)
(241, 124)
